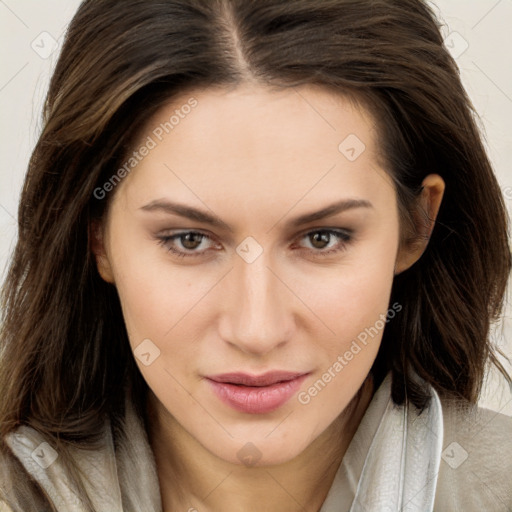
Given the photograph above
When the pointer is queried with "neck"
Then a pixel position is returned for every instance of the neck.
(192, 478)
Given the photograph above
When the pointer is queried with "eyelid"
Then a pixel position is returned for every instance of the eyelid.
(165, 239)
(345, 235)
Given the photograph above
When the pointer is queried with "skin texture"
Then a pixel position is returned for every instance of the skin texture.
(256, 158)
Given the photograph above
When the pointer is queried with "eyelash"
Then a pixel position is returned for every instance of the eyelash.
(344, 236)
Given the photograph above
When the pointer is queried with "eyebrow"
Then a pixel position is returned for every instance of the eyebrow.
(189, 212)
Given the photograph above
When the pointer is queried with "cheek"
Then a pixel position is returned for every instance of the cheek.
(154, 295)
(351, 297)
(156, 300)
(354, 306)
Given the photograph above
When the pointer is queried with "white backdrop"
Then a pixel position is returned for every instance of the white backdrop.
(478, 33)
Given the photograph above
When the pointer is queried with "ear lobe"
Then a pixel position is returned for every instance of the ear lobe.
(429, 202)
(97, 245)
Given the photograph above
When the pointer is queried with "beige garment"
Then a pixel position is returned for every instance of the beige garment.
(467, 453)
(475, 471)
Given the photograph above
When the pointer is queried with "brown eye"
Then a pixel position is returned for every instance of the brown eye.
(190, 240)
(184, 244)
(321, 239)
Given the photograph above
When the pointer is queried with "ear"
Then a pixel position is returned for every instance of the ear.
(97, 244)
(429, 202)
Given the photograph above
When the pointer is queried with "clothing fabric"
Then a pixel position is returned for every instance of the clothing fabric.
(449, 458)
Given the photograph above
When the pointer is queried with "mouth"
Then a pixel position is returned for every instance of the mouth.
(256, 394)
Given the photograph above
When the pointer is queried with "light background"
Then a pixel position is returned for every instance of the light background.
(478, 33)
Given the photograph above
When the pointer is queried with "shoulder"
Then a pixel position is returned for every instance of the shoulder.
(476, 461)
(18, 491)
(40, 473)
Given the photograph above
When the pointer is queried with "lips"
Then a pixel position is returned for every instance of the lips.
(266, 379)
(256, 394)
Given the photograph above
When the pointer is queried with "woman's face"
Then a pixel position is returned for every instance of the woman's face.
(219, 271)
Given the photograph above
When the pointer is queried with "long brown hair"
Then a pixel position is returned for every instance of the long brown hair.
(66, 361)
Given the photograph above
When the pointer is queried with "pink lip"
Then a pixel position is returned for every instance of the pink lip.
(256, 394)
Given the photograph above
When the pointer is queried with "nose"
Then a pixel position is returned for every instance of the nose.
(257, 316)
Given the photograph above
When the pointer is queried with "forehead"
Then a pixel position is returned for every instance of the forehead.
(260, 142)
(310, 118)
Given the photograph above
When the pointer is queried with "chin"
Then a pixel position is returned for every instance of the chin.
(258, 451)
